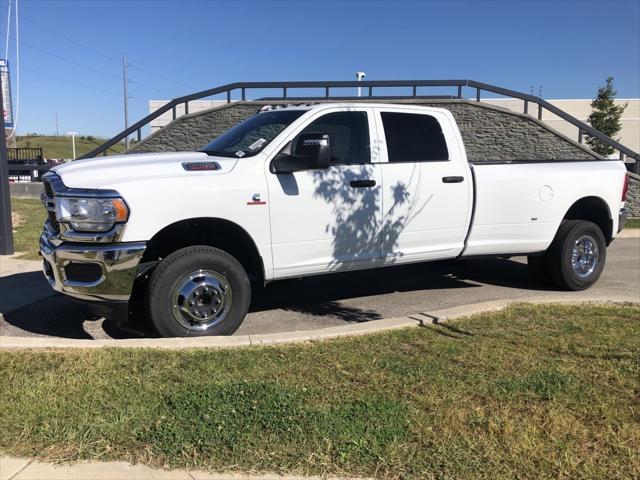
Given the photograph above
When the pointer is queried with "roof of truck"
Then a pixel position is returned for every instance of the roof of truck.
(321, 105)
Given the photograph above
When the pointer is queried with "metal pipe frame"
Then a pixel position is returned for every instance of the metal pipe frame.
(327, 85)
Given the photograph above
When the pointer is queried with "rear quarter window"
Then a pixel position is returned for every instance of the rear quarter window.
(414, 137)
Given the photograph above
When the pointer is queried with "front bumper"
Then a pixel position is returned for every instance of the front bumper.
(112, 269)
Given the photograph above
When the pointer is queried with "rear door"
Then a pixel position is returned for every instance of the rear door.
(427, 195)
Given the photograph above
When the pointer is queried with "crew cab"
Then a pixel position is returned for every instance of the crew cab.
(307, 190)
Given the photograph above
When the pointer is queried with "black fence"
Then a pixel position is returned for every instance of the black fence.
(26, 164)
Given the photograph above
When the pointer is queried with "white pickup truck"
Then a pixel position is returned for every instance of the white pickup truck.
(308, 190)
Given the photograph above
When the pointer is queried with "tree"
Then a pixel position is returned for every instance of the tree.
(605, 117)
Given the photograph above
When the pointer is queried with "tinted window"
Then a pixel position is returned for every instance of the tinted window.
(348, 135)
(413, 138)
(251, 136)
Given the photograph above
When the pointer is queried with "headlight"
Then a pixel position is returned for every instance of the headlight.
(91, 214)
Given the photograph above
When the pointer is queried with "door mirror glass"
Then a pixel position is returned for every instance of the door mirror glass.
(308, 151)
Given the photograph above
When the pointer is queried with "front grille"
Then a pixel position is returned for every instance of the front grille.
(54, 226)
(48, 191)
(53, 222)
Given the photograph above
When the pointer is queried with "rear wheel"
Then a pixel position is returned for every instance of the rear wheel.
(198, 291)
(577, 255)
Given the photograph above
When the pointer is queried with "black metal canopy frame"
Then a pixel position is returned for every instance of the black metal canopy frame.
(369, 85)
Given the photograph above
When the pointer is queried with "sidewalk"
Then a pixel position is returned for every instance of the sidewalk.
(12, 468)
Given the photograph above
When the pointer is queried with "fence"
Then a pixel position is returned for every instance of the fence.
(26, 164)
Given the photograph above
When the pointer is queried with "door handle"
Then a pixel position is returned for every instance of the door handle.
(454, 179)
(362, 183)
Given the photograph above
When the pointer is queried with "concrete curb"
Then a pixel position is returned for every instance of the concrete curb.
(12, 468)
(306, 336)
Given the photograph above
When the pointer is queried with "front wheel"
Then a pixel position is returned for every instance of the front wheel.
(198, 291)
(577, 255)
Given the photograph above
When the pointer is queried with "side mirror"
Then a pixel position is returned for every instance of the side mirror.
(308, 151)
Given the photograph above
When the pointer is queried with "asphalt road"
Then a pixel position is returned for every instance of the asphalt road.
(328, 300)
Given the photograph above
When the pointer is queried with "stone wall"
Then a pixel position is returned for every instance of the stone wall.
(633, 195)
(489, 132)
(194, 131)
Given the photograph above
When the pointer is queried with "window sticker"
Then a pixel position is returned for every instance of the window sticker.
(257, 144)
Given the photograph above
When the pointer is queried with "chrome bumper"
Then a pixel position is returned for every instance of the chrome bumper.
(115, 266)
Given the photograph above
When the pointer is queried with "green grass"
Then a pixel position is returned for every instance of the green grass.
(61, 147)
(530, 392)
(26, 234)
(633, 223)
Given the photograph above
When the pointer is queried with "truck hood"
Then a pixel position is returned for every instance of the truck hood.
(103, 172)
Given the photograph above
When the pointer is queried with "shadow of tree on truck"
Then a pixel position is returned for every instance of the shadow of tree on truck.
(362, 227)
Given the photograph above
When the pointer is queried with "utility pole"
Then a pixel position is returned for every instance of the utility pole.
(73, 142)
(6, 228)
(125, 81)
(57, 129)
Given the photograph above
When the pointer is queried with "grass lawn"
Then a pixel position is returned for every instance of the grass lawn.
(530, 392)
(633, 223)
(61, 147)
(26, 232)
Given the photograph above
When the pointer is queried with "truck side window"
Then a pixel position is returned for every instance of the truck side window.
(413, 138)
(348, 135)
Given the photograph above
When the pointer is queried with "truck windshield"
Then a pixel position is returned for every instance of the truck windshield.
(251, 136)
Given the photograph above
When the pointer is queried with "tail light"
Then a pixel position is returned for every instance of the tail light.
(625, 188)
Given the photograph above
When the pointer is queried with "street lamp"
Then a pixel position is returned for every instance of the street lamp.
(360, 76)
(73, 141)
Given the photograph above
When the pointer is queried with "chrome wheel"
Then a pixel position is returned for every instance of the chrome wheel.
(201, 300)
(584, 256)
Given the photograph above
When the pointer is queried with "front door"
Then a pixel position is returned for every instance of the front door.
(329, 219)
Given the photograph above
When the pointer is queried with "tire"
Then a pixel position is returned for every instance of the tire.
(215, 282)
(539, 268)
(583, 242)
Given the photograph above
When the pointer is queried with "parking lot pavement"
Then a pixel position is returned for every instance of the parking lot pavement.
(327, 300)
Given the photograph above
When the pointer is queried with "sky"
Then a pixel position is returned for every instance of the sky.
(71, 51)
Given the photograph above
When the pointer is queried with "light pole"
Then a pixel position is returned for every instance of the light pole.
(360, 76)
(73, 141)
